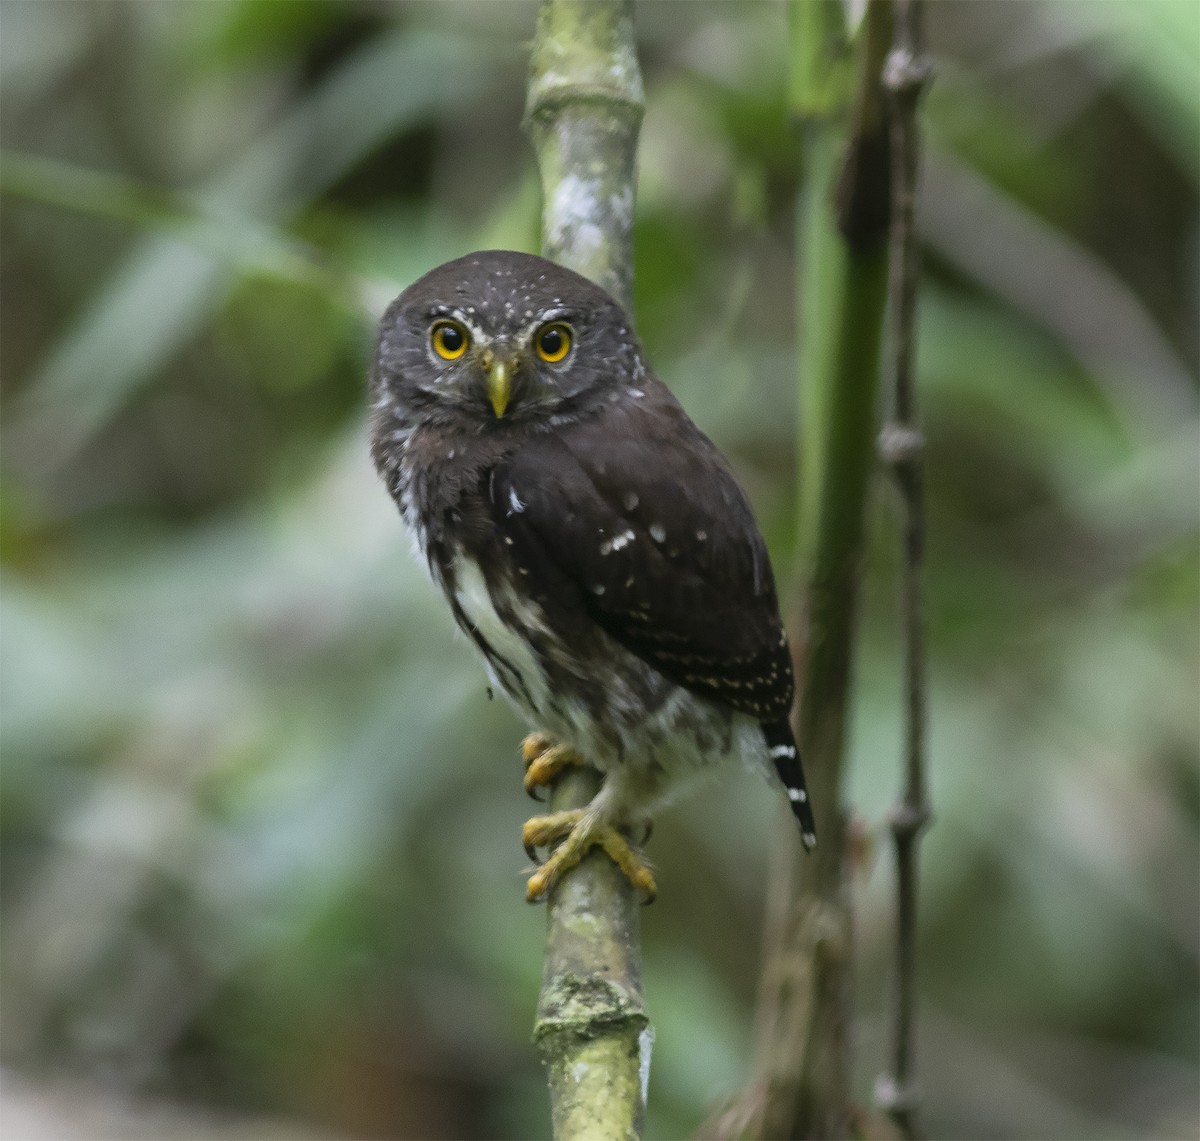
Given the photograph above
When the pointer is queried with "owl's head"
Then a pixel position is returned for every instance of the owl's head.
(500, 337)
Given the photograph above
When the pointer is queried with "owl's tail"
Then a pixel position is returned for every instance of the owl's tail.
(781, 746)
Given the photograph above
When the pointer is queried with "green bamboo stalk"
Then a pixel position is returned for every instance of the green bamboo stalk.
(803, 1056)
(583, 113)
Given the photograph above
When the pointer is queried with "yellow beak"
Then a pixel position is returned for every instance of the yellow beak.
(499, 383)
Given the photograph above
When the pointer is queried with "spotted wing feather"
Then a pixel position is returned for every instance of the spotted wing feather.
(631, 520)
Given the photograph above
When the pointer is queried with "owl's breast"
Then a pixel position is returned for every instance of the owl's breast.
(438, 480)
(506, 627)
(580, 685)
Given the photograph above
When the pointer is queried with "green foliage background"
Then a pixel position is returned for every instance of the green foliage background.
(260, 822)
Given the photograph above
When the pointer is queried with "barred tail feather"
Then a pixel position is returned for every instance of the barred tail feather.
(781, 747)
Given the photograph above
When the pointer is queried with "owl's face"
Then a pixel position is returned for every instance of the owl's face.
(499, 338)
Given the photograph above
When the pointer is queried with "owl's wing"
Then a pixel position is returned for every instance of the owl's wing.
(631, 520)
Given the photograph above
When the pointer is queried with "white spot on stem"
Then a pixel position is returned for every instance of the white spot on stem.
(645, 1045)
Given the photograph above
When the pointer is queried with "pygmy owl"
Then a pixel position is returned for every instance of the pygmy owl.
(591, 542)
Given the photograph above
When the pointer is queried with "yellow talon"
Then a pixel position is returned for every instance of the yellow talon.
(579, 833)
(534, 746)
(542, 772)
(544, 760)
(542, 831)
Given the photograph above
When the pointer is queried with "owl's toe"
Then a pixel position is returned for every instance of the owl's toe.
(579, 833)
(542, 831)
(544, 760)
(535, 745)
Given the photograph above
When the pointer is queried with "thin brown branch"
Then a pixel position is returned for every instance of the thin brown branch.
(901, 444)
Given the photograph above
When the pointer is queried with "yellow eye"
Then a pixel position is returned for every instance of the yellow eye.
(553, 342)
(449, 340)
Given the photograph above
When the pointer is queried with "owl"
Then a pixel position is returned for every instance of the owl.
(591, 542)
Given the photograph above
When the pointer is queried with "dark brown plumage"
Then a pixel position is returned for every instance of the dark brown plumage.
(590, 539)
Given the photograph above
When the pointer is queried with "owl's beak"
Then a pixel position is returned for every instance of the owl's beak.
(499, 381)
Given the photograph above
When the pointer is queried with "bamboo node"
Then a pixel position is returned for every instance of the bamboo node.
(906, 74)
(900, 444)
(908, 820)
(896, 1097)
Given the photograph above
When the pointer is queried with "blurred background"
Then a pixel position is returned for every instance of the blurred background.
(261, 863)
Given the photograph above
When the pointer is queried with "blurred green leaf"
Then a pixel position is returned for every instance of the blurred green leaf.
(166, 290)
(1157, 46)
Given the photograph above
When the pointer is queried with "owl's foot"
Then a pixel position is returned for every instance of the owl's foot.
(579, 832)
(544, 760)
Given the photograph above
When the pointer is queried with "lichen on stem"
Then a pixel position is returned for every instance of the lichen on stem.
(583, 113)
